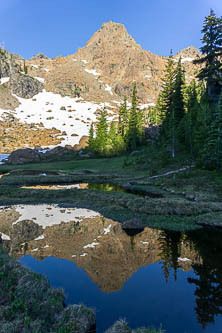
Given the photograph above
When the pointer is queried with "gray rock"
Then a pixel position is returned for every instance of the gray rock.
(39, 56)
(136, 152)
(25, 86)
(56, 151)
(21, 156)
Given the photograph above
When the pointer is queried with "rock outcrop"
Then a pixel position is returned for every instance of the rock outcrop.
(21, 156)
(25, 86)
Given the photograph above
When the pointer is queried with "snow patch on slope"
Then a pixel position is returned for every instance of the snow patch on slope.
(92, 71)
(69, 115)
(109, 89)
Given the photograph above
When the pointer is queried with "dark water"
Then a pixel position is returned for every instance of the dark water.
(164, 288)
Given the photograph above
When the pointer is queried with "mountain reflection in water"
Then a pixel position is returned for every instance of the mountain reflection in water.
(150, 278)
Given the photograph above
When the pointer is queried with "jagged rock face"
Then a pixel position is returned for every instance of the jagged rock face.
(4, 65)
(8, 63)
(25, 86)
(7, 101)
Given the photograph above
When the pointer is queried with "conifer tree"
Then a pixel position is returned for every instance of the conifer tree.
(91, 138)
(164, 103)
(172, 105)
(132, 135)
(177, 111)
(177, 98)
(123, 118)
(192, 109)
(101, 132)
(212, 50)
(213, 147)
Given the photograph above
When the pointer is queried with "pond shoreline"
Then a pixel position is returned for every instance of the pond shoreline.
(29, 304)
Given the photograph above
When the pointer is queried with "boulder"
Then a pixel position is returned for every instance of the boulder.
(39, 56)
(25, 86)
(83, 143)
(21, 156)
(56, 151)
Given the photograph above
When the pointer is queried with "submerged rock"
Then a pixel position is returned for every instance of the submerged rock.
(133, 224)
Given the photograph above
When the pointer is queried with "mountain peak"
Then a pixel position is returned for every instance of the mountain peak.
(112, 33)
(189, 51)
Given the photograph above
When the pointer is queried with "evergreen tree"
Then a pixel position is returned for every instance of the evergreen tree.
(132, 135)
(101, 133)
(123, 118)
(177, 99)
(25, 68)
(177, 111)
(201, 128)
(164, 103)
(112, 131)
(192, 109)
(212, 50)
(172, 106)
(213, 147)
(91, 138)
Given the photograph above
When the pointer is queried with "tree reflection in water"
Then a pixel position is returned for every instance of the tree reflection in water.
(208, 269)
(209, 275)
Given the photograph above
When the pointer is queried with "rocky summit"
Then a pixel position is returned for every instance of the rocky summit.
(57, 99)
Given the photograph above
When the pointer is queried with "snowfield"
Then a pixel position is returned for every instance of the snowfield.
(72, 116)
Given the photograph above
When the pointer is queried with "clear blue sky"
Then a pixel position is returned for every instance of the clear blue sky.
(59, 27)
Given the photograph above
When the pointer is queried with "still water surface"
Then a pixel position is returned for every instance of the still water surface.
(154, 277)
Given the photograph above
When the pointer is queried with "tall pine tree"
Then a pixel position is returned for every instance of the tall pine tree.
(212, 50)
(101, 133)
(132, 135)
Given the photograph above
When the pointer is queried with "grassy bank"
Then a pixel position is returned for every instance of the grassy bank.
(28, 304)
